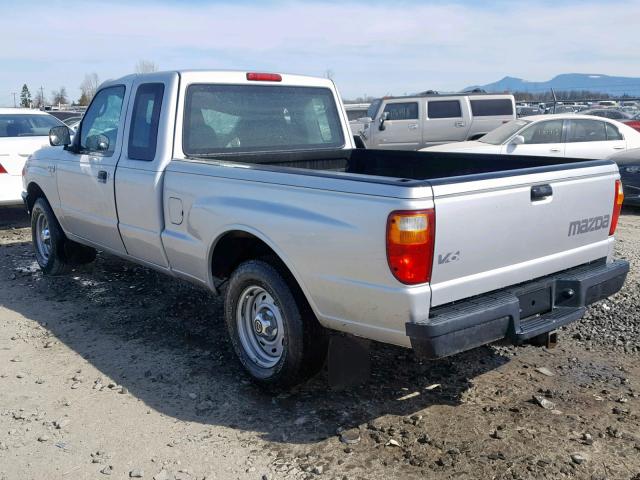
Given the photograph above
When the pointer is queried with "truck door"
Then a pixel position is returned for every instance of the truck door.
(139, 179)
(86, 177)
(445, 121)
(401, 128)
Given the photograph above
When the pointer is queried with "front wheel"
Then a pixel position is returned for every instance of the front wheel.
(55, 253)
(48, 239)
(272, 328)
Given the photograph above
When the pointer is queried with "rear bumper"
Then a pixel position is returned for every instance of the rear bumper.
(517, 313)
(10, 188)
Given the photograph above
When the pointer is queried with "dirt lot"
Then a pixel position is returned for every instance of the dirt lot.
(116, 370)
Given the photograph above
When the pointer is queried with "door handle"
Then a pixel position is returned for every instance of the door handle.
(554, 150)
(618, 148)
(102, 176)
(413, 126)
(540, 192)
(459, 124)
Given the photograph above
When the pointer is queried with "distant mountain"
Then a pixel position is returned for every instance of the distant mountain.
(568, 81)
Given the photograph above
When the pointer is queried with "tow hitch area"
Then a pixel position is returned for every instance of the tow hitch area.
(548, 340)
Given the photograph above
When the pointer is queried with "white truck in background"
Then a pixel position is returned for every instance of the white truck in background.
(419, 121)
(248, 184)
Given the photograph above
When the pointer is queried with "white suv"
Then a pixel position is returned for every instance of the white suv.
(411, 123)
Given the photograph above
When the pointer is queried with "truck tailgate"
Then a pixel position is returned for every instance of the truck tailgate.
(495, 232)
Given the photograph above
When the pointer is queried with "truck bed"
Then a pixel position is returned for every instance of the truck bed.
(406, 167)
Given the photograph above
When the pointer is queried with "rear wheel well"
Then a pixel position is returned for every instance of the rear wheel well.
(236, 247)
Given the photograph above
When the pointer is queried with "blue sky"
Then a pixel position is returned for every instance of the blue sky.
(372, 47)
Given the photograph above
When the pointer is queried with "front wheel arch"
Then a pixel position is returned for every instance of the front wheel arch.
(33, 193)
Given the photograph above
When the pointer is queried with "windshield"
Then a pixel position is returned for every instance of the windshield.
(504, 132)
(373, 108)
(27, 125)
(248, 118)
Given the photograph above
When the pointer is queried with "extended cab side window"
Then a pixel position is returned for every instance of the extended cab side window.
(143, 134)
(101, 121)
(401, 111)
(586, 131)
(549, 131)
(444, 109)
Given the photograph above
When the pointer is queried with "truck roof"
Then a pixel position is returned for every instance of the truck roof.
(235, 76)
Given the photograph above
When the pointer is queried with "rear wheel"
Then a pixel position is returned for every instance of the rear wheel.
(272, 328)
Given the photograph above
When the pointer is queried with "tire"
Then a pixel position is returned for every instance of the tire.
(48, 239)
(274, 332)
(60, 254)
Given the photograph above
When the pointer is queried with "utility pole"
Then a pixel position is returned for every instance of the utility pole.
(42, 97)
(14, 99)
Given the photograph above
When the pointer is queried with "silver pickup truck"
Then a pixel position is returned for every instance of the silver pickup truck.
(248, 184)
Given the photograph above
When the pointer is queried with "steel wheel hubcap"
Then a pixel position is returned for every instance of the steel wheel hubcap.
(260, 326)
(43, 237)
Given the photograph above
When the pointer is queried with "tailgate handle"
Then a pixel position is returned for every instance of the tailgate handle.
(540, 192)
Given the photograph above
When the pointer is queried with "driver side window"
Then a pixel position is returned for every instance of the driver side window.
(101, 121)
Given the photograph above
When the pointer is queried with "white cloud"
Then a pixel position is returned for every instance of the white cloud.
(371, 48)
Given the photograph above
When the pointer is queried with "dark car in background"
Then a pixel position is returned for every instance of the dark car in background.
(614, 114)
(629, 165)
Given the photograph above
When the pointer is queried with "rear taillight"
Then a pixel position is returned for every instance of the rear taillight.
(618, 198)
(264, 77)
(2, 170)
(410, 238)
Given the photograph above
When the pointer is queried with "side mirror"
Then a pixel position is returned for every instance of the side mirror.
(517, 140)
(60, 136)
(383, 118)
(98, 143)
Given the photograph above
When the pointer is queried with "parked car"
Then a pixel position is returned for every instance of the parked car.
(356, 112)
(22, 131)
(629, 165)
(248, 184)
(411, 123)
(611, 113)
(560, 109)
(64, 115)
(527, 111)
(634, 122)
(572, 135)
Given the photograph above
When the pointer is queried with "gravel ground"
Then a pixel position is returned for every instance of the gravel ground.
(115, 371)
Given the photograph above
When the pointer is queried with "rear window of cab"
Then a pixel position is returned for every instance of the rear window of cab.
(259, 118)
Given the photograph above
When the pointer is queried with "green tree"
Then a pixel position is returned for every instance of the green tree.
(25, 97)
